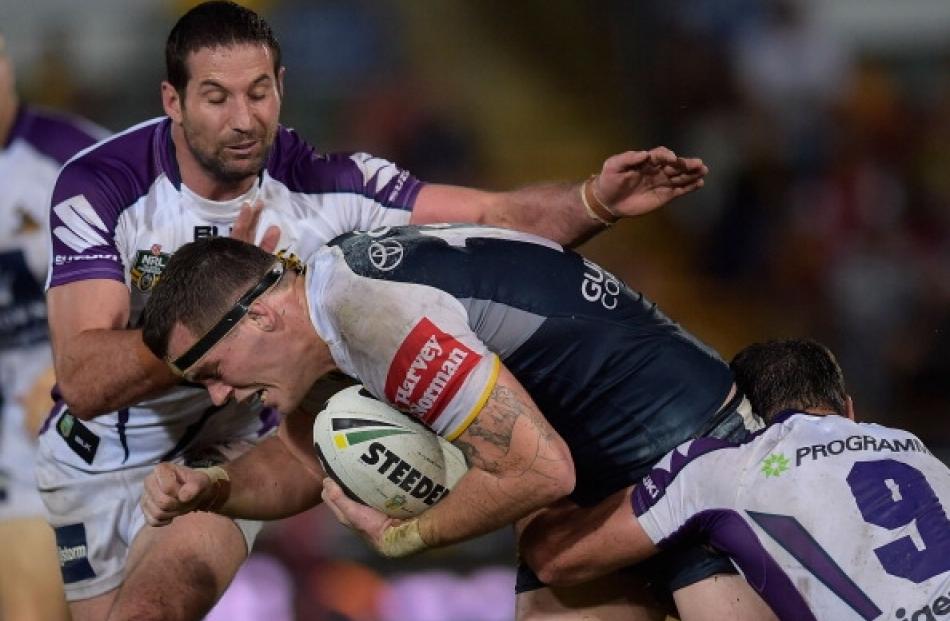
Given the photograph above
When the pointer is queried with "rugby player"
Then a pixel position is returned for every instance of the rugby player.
(477, 332)
(34, 143)
(118, 213)
(826, 517)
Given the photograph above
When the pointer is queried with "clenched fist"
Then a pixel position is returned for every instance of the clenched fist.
(172, 490)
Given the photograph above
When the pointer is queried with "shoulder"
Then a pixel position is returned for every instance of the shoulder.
(114, 171)
(56, 135)
(298, 165)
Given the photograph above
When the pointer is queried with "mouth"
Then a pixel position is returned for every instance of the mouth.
(242, 148)
(257, 398)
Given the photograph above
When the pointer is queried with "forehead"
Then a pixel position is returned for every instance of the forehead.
(230, 65)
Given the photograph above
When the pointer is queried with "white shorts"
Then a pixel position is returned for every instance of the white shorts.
(96, 516)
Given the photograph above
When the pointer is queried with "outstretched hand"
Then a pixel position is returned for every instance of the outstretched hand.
(637, 182)
(171, 490)
(245, 227)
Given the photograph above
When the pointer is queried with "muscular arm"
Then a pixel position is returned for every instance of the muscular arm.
(100, 365)
(551, 210)
(567, 545)
(517, 464)
(631, 183)
(277, 478)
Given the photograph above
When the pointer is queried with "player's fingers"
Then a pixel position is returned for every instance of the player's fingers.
(681, 190)
(332, 494)
(166, 479)
(188, 492)
(154, 516)
(695, 164)
(661, 156)
(625, 162)
(271, 238)
(246, 223)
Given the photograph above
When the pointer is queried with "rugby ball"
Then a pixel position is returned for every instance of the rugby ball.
(382, 457)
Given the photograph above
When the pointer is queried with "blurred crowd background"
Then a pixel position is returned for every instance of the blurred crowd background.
(825, 123)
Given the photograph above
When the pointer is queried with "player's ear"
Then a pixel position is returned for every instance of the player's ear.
(849, 407)
(171, 102)
(280, 81)
(263, 316)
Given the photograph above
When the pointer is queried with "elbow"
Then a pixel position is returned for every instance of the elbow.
(558, 574)
(564, 477)
(552, 561)
(78, 400)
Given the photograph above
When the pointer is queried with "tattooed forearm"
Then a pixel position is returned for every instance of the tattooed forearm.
(495, 425)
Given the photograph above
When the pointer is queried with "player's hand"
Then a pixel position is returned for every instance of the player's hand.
(37, 402)
(172, 490)
(389, 536)
(637, 182)
(245, 227)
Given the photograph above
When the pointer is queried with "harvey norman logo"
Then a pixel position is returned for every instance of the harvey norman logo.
(79, 224)
(428, 370)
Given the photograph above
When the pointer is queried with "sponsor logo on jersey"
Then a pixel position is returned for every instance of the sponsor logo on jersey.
(427, 371)
(148, 266)
(650, 486)
(78, 437)
(73, 553)
(774, 465)
(599, 286)
(81, 225)
(379, 170)
(403, 474)
(858, 443)
(385, 255)
(205, 231)
(63, 259)
(928, 612)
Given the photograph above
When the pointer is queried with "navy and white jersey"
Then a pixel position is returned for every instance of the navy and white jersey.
(422, 315)
(39, 143)
(120, 209)
(827, 518)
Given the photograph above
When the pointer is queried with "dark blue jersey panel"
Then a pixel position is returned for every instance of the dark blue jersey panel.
(621, 382)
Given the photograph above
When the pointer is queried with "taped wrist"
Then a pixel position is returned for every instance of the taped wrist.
(402, 540)
(221, 485)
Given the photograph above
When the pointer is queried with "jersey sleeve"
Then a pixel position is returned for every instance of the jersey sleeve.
(351, 191)
(86, 203)
(411, 345)
(688, 491)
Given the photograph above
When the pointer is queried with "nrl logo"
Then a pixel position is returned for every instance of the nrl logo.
(148, 267)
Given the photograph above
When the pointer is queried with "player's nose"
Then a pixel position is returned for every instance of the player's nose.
(241, 116)
(220, 392)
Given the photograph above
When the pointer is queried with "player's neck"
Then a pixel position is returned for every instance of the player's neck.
(198, 179)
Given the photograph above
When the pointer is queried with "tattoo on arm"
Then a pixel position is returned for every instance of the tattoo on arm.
(495, 425)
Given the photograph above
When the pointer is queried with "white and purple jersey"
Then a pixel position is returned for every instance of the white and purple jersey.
(38, 144)
(119, 210)
(827, 518)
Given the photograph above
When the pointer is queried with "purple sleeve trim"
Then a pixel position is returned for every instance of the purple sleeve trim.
(302, 169)
(654, 485)
(103, 272)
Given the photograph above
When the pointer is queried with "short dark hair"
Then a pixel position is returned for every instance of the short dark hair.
(213, 24)
(201, 283)
(791, 374)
